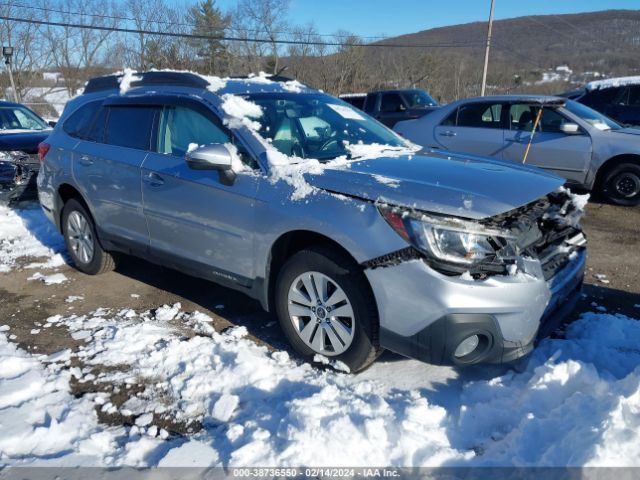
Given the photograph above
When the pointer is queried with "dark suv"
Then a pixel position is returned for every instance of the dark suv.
(393, 106)
(618, 98)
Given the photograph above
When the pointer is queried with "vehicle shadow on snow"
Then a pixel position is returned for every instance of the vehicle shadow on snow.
(239, 309)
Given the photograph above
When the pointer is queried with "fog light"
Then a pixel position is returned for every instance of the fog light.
(467, 346)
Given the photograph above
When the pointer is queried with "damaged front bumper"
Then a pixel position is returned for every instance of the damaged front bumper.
(449, 319)
(18, 173)
(426, 315)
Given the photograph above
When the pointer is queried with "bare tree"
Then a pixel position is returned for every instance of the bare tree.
(79, 53)
(264, 19)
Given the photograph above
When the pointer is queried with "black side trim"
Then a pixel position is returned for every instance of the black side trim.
(393, 258)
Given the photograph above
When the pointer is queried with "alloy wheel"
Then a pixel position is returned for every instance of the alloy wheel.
(80, 236)
(321, 313)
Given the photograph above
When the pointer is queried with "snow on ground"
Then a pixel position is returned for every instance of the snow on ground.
(27, 233)
(572, 402)
(575, 402)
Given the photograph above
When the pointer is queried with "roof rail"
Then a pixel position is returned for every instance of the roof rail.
(176, 79)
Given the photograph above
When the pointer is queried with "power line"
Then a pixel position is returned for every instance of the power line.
(179, 24)
(232, 39)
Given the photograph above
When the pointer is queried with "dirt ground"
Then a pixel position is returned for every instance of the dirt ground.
(614, 251)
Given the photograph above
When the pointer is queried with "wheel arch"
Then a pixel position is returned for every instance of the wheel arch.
(66, 192)
(611, 163)
(287, 245)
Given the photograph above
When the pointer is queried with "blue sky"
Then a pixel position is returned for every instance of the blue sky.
(395, 17)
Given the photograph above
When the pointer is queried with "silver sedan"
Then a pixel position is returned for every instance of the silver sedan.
(589, 149)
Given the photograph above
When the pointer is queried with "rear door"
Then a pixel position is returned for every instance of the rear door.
(475, 128)
(195, 220)
(567, 155)
(107, 166)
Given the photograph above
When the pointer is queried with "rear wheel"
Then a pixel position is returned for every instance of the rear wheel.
(325, 306)
(81, 240)
(621, 185)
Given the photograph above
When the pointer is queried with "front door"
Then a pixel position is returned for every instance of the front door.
(567, 155)
(192, 217)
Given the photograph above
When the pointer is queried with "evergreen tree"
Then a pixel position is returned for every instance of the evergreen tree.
(207, 19)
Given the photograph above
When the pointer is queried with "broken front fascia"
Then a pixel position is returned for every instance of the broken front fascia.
(547, 230)
(18, 172)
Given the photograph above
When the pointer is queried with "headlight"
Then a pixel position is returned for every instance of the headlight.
(453, 245)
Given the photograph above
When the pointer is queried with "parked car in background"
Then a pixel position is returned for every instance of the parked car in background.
(588, 149)
(392, 106)
(21, 131)
(325, 216)
(618, 98)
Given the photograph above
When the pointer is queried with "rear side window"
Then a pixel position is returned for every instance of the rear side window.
(79, 122)
(476, 115)
(130, 126)
(96, 132)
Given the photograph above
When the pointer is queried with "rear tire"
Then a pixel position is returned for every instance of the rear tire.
(335, 284)
(81, 240)
(621, 185)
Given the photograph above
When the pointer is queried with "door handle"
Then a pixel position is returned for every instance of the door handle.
(153, 180)
(448, 133)
(86, 160)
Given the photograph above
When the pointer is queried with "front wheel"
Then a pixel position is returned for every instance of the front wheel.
(325, 306)
(81, 240)
(622, 184)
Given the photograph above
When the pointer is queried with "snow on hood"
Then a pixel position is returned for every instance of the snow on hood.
(613, 82)
(455, 186)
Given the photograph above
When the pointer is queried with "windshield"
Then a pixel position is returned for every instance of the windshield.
(318, 126)
(589, 115)
(419, 99)
(20, 118)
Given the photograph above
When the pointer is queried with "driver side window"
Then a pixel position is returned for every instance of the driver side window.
(182, 126)
(391, 102)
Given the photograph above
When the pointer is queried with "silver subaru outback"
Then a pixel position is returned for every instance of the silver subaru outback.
(352, 238)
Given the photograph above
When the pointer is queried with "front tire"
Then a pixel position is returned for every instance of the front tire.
(621, 185)
(81, 240)
(325, 306)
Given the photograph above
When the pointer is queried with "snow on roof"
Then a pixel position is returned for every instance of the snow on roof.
(613, 82)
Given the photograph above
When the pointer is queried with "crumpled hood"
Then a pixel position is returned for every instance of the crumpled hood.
(24, 141)
(451, 184)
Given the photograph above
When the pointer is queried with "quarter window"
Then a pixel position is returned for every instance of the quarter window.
(79, 122)
(181, 127)
(130, 126)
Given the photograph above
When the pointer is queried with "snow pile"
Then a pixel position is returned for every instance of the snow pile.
(28, 233)
(576, 402)
(128, 76)
(240, 111)
(613, 82)
(53, 279)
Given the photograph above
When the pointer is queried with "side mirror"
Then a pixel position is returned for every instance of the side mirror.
(213, 157)
(569, 128)
(52, 123)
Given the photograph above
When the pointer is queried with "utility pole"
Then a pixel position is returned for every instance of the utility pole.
(7, 53)
(486, 52)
